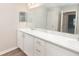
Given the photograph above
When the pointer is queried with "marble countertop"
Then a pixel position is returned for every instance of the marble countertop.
(64, 41)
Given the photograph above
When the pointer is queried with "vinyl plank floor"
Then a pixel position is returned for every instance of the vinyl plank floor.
(16, 52)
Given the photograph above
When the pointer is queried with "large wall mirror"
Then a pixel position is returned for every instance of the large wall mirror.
(61, 17)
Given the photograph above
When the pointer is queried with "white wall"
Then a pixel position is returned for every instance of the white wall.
(8, 22)
(37, 16)
(53, 18)
(69, 8)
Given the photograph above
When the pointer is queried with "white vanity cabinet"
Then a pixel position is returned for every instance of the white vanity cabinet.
(28, 44)
(20, 40)
(39, 47)
(33, 45)
(54, 50)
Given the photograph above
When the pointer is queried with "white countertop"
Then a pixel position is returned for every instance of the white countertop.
(67, 42)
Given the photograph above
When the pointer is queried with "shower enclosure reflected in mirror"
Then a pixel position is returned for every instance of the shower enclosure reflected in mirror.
(22, 16)
(68, 22)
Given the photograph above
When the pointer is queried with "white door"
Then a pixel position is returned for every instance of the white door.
(54, 50)
(28, 44)
(20, 39)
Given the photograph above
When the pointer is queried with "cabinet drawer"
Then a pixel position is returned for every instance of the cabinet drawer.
(39, 47)
(40, 51)
(39, 42)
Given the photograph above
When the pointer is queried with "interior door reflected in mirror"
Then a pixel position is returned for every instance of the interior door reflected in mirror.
(69, 22)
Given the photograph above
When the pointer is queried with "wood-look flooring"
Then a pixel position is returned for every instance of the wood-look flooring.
(16, 52)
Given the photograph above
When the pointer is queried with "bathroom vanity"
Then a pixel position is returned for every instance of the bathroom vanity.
(36, 42)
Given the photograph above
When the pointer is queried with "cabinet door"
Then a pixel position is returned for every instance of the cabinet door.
(54, 50)
(28, 44)
(39, 47)
(20, 39)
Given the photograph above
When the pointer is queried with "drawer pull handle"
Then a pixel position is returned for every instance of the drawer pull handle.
(38, 42)
(37, 50)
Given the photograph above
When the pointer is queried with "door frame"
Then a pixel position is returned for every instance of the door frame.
(62, 12)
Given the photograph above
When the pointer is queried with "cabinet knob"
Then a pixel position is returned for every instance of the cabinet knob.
(37, 50)
(38, 42)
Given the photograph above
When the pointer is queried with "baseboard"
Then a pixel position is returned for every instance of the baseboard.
(8, 50)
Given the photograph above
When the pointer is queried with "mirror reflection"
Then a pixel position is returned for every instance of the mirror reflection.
(69, 22)
(62, 17)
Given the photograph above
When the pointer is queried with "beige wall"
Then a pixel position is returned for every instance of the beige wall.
(8, 24)
(8, 21)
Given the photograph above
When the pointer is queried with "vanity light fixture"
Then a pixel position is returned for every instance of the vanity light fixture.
(33, 5)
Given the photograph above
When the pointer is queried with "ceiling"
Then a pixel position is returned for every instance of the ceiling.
(57, 4)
